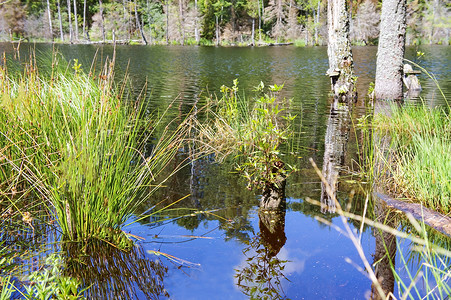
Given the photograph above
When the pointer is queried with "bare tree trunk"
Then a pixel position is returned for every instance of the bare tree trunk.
(139, 24)
(341, 65)
(390, 52)
(182, 22)
(196, 21)
(85, 33)
(149, 20)
(50, 19)
(76, 20)
(253, 32)
(103, 20)
(129, 23)
(317, 22)
(60, 20)
(217, 31)
(70, 21)
(259, 22)
(167, 22)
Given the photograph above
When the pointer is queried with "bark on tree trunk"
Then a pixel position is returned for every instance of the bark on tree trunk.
(50, 19)
(341, 65)
(390, 52)
(70, 22)
(60, 20)
(76, 20)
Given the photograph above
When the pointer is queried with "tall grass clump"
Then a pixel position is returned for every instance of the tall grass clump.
(80, 145)
(421, 139)
(251, 130)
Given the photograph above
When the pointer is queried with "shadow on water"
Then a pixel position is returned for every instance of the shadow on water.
(111, 273)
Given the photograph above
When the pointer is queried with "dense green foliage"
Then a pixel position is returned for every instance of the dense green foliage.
(204, 21)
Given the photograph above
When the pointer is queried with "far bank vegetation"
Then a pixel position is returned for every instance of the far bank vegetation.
(209, 22)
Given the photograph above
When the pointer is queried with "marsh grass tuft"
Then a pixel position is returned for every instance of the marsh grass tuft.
(78, 144)
(421, 139)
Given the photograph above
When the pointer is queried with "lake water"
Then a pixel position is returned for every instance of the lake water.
(205, 248)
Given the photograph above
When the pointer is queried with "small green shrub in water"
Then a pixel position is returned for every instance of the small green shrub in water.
(252, 131)
(76, 141)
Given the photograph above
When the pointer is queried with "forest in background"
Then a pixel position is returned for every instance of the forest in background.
(233, 22)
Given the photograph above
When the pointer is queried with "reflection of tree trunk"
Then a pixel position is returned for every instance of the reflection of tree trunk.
(384, 256)
(337, 135)
(385, 252)
(272, 230)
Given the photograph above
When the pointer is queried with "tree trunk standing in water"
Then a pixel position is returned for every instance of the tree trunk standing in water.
(50, 19)
(70, 22)
(390, 52)
(138, 23)
(103, 20)
(76, 20)
(273, 197)
(341, 65)
(60, 20)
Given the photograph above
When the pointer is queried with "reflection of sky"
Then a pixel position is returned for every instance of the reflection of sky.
(316, 253)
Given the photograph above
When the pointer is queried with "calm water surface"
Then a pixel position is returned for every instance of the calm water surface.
(206, 248)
